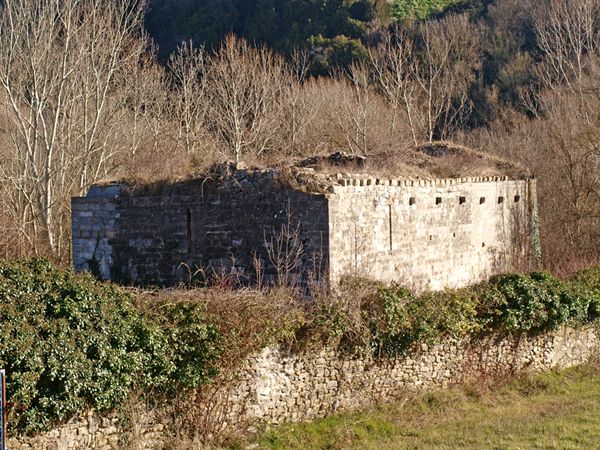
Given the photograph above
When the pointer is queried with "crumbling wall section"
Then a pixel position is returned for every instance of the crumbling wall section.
(95, 223)
(194, 229)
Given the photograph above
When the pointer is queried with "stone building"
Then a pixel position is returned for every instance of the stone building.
(300, 224)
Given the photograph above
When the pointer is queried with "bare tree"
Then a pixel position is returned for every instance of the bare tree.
(430, 78)
(189, 67)
(568, 36)
(357, 114)
(59, 62)
(245, 89)
(561, 148)
(572, 142)
(567, 33)
(393, 67)
(450, 57)
(298, 110)
(286, 250)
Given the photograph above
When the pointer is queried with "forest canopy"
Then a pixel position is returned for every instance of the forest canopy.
(341, 27)
(281, 25)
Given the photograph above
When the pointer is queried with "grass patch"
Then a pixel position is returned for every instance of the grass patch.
(551, 411)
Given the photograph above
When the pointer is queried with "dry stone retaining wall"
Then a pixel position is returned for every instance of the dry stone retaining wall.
(276, 386)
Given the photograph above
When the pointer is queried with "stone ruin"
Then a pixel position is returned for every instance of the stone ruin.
(316, 221)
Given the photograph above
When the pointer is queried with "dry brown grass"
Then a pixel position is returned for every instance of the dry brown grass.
(248, 320)
(429, 161)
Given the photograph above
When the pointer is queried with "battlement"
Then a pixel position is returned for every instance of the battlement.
(366, 181)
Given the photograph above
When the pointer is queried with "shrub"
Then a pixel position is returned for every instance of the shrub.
(245, 320)
(394, 328)
(394, 319)
(408, 319)
(587, 282)
(532, 303)
(69, 343)
(194, 346)
(588, 277)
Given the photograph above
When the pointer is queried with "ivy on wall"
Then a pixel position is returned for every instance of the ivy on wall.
(69, 343)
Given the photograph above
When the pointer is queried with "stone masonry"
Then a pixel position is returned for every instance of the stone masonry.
(164, 237)
(431, 234)
(276, 386)
(425, 233)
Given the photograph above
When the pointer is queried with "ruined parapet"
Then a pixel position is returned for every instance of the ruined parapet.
(170, 233)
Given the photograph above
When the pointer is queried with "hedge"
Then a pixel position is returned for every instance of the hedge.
(391, 320)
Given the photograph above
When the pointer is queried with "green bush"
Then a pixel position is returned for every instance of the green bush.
(535, 302)
(587, 283)
(329, 54)
(422, 9)
(394, 319)
(194, 345)
(69, 343)
(408, 319)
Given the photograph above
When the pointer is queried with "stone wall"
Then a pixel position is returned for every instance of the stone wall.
(276, 386)
(423, 233)
(93, 431)
(282, 387)
(431, 234)
(162, 236)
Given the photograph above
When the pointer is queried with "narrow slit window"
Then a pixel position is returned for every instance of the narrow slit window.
(481, 200)
(189, 231)
(390, 224)
(438, 200)
(517, 198)
(412, 201)
(462, 200)
(500, 200)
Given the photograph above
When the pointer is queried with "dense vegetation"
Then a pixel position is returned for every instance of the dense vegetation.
(282, 25)
(555, 410)
(341, 28)
(424, 9)
(70, 343)
(390, 320)
(285, 25)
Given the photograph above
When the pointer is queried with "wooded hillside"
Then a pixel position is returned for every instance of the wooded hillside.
(84, 97)
(285, 25)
